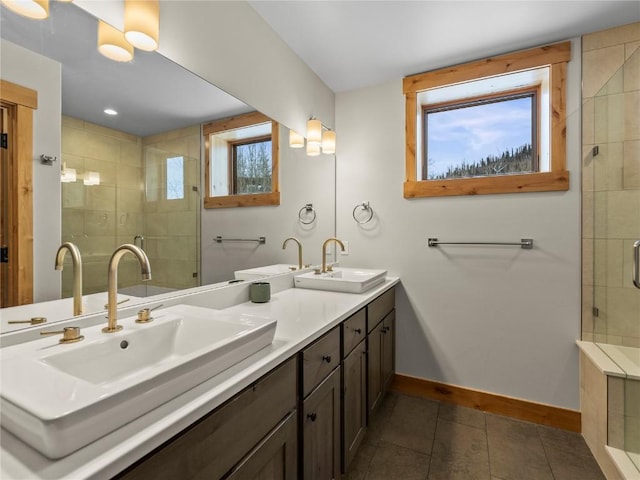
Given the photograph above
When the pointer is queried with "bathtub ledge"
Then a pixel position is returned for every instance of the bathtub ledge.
(600, 359)
(623, 463)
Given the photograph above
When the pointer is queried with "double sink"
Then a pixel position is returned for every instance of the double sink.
(59, 398)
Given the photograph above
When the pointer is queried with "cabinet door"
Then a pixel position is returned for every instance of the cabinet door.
(275, 458)
(354, 402)
(374, 368)
(388, 349)
(321, 430)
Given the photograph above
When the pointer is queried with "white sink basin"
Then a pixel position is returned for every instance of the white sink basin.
(350, 280)
(266, 271)
(58, 398)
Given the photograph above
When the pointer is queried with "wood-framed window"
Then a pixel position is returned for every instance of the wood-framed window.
(241, 162)
(491, 126)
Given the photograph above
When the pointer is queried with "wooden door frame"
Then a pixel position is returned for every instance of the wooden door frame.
(21, 102)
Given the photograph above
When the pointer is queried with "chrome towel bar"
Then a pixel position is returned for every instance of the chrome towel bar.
(220, 239)
(526, 243)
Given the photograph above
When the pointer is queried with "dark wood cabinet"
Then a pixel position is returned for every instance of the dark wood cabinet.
(321, 430)
(380, 347)
(274, 458)
(354, 402)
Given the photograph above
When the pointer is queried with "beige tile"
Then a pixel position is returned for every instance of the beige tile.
(631, 71)
(615, 432)
(107, 170)
(588, 168)
(588, 121)
(130, 176)
(174, 248)
(623, 214)
(608, 165)
(600, 219)
(600, 262)
(156, 224)
(587, 336)
(117, 135)
(623, 313)
(610, 118)
(588, 213)
(600, 302)
(612, 36)
(129, 199)
(631, 165)
(72, 122)
(631, 342)
(182, 223)
(630, 48)
(73, 195)
(598, 66)
(588, 261)
(632, 397)
(100, 197)
(613, 339)
(631, 116)
(615, 394)
(131, 154)
(614, 263)
(99, 223)
(632, 433)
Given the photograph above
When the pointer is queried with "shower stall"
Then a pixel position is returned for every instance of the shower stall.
(611, 244)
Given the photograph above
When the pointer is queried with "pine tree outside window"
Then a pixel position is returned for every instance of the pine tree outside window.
(492, 126)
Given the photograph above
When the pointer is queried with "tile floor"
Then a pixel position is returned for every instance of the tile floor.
(415, 438)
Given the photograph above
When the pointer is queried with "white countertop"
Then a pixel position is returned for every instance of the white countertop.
(303, 316)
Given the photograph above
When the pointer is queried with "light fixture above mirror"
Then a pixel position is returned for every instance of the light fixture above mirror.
(113, 44)
(319, 139)
(36, 9)
(142, 23)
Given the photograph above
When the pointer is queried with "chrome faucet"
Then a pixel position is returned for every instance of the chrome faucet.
(324, 252)
(77, 272)
(284, 244)
(112, 293)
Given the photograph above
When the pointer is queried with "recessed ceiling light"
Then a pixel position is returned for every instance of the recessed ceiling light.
(110, 111)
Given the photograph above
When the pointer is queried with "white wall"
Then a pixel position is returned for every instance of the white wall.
(303, 180)
(502, 320)
(42, 74)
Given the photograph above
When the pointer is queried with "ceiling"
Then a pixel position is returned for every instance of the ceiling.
(354, 44)
(349, 44)
(151, 93)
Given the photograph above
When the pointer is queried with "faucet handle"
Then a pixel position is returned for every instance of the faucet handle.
(69, 334)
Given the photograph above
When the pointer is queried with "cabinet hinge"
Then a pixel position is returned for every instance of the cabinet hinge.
(4, 140)
(4, 254)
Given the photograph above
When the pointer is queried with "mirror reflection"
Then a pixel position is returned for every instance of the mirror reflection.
(137, 176)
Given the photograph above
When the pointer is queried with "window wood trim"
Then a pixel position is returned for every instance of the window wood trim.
(247, 200)
(556, 56)
(21, 102)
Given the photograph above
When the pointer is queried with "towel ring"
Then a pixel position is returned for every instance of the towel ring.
(305, 210)
(364, 206)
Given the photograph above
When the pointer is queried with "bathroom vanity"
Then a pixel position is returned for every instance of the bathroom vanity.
(295, 409)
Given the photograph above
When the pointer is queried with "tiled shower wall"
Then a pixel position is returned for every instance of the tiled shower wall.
(611, 184)
(172, 226)
(98, 218)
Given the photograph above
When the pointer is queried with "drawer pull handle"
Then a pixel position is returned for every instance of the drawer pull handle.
(326, 358)
(312, 416)
(357, 330)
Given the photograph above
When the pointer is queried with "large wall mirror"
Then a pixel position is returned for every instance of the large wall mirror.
(138, 176)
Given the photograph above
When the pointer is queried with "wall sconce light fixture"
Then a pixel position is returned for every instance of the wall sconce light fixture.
(319, 139)
(295, 139)
(142, 23)
(67, 175)
(112, 44)
(92, 178)
(36, 9)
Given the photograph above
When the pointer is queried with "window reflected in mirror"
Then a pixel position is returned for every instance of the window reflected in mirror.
(241, 167)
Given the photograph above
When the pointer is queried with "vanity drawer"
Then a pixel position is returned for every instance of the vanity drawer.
(380, 307)
(319, 359)
(209, 448)
(354, 329)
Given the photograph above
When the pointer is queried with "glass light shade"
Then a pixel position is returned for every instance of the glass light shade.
(68, 175)
(329, 142)
(36, 9)
(314, 132)
(295, 139)
(112, 44)
(313, 149)
(92, 178)
(142, 23)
